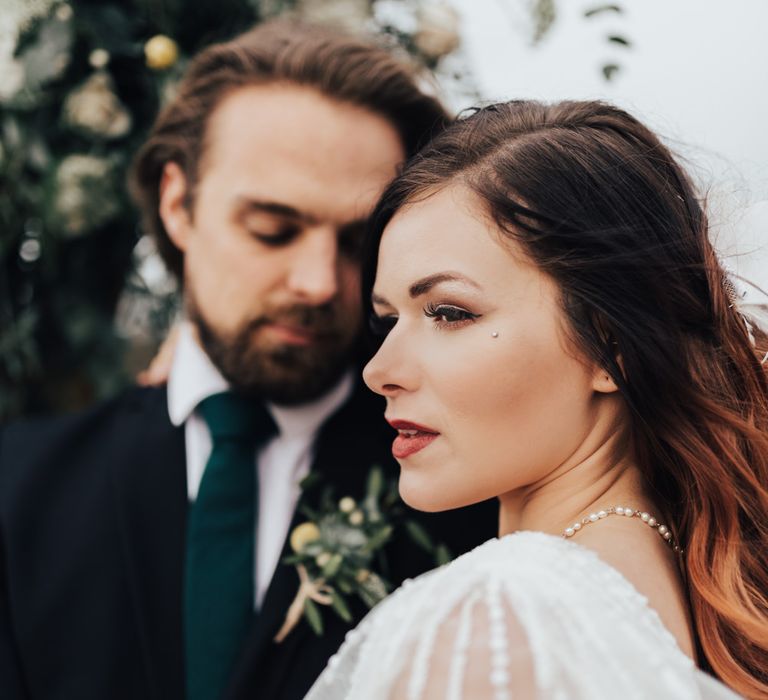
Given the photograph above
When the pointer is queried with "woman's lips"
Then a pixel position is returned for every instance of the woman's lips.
(411, 438)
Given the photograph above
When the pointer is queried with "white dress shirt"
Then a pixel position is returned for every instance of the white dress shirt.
(282, 462)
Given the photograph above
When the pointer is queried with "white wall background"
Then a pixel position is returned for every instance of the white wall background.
(697, 72)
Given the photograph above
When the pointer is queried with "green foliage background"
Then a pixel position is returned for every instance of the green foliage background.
(68, 231)
(60, 280)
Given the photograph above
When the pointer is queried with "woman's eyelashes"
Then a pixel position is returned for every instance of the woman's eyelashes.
(442, 315)
(449, 315)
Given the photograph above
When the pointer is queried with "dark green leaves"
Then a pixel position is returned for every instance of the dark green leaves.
(314, 618)
(609, 70)
(603, 9)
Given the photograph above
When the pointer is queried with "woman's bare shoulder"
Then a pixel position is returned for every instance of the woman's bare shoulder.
(650, 565)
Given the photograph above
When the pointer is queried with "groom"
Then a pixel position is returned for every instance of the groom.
(141, 542)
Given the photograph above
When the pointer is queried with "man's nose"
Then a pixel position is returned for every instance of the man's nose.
(314, 273)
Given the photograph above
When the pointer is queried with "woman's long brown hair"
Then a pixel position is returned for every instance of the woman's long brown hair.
(600, 204)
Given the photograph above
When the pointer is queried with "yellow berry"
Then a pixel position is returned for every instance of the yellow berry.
(303, 534)
(161, 52)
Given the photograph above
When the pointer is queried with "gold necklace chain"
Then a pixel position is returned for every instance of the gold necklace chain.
(648, 519)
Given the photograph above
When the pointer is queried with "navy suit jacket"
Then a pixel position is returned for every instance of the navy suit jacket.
(93, 511)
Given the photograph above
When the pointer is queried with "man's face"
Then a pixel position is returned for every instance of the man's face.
(271, 246)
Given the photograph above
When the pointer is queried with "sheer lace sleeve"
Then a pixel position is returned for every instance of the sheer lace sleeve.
(480, 650)
(526, 617)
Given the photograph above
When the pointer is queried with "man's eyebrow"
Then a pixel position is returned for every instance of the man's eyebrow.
(286, 211)
(424, 285)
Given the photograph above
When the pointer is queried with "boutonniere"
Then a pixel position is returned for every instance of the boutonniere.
(338, 548)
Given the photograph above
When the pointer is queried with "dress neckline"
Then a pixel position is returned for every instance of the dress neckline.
(621, 580)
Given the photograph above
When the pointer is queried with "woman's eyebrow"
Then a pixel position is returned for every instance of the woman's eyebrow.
(424, 285)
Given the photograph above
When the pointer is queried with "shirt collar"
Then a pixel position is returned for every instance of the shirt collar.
(193, 377)
(306, 418)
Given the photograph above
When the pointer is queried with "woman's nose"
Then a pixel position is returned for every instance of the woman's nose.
(388, 371)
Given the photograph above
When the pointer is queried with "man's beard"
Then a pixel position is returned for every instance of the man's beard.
(282, 373)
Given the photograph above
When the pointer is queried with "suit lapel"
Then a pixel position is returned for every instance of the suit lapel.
(343, 445)
(151, 505)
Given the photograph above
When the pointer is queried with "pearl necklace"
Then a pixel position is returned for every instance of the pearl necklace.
(649, 520)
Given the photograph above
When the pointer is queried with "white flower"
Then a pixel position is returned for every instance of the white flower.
(342, 535)
(394, 13)
(351, 14)
(95, 108)
(356, 518)
(85, 197)
(98, 58)
(151, 269)
(23, 12)
(11, 69)
(347, 504)
(13, 78)
(438, 32)
(64, 13)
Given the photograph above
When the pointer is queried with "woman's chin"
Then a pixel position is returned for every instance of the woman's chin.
(428, 499)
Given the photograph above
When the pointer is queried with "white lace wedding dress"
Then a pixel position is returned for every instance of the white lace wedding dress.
(528, 616)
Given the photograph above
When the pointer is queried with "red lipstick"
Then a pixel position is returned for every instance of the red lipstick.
(411, 438)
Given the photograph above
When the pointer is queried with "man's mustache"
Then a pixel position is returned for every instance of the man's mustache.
(320, 319)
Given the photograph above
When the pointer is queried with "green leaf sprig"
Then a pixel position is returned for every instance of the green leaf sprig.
(337, 548)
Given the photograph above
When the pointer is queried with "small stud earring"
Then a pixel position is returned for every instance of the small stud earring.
(495, 334)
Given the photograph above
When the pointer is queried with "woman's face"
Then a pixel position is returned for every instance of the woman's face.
(488, 395)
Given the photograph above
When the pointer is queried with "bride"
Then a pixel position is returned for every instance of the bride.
(558, 333)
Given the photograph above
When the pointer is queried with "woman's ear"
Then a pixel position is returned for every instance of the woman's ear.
(602, 382)
(173, 209)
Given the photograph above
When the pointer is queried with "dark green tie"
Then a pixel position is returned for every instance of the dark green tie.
(218, 586)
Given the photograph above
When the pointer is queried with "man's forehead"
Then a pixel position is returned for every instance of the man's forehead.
(284, 119)
(291, 146)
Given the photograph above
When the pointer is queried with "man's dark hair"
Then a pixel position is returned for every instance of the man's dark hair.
(339, 66)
